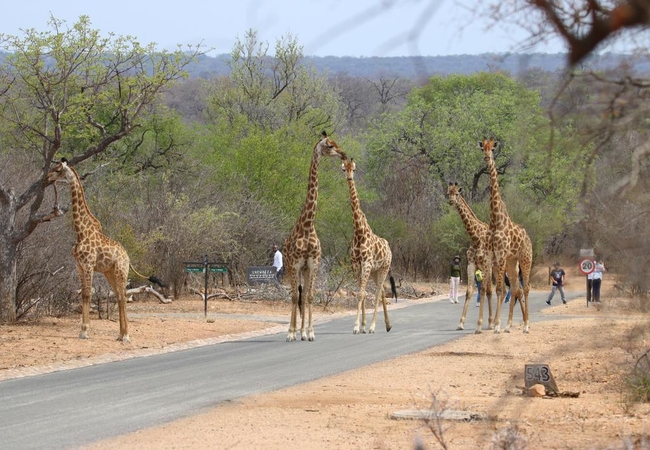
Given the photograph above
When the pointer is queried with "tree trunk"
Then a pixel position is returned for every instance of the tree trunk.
(8, 251)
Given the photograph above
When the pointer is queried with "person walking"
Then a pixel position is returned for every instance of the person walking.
(478, 279)
(596, 280)
(277, 263)
(557, 279)
(454, 283)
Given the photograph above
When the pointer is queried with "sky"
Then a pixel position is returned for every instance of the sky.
(323, 27)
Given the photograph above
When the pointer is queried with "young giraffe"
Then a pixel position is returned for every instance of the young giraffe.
(510, 245)
(302, 247)
(93, 251)
(478, 255)
(370, 256)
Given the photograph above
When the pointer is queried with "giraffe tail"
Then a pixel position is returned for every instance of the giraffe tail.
(300, 303)
(153, 279)
(393, 288)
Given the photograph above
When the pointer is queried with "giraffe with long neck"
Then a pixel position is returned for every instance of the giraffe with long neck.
(370, 256)
(302, 250)
(93, 251)
(511, 245)
(479, 255)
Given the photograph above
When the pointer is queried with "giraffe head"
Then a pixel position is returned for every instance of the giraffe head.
(349, 167)
(59, 172)
(488, 145)
(453, 191)
(327, 147)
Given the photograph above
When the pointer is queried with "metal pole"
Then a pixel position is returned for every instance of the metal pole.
(205, 292)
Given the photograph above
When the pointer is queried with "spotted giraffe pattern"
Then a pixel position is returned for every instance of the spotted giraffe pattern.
(302, 249)
(370, 256)
(479, 255)
(510, 245)
(94, 251)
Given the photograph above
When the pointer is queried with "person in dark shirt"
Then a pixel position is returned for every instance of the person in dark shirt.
(454, 283)
(557, 279)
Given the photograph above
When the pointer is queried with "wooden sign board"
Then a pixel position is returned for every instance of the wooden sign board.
(260, 274)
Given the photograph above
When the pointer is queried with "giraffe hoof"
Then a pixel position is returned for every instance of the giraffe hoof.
(291, 338)
(312, 339)
(388, 329)
(83, 335)
(460, 327)
(125, 338)
(507, 330)
(355, 331)
(371, 331)
(478, 332)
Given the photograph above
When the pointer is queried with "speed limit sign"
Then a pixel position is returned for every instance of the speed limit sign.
(587, 266)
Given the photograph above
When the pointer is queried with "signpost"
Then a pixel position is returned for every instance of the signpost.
(205, 267)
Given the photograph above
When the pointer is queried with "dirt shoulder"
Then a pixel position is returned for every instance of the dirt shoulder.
(591, 354)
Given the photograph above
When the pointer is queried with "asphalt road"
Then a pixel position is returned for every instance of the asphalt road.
(76, 407)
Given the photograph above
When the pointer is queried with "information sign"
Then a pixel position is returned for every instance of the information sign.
(260, 274)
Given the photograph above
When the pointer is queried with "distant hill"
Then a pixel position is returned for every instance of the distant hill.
(414, 67)
(422, 67)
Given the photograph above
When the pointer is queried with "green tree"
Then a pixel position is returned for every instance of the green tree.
(416, 152)
(66, 91)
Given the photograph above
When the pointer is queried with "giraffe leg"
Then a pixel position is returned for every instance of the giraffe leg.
(117, 280)
(291, 335)
(86, 276)
(380, 288)
(525, 265)
(310, 300)
(511, 268)
(471, 268)
(500, 290)
(380, 297)
(306, 278)
(488, 297)
(360, 323)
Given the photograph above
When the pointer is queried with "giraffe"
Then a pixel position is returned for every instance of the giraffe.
(510, 245)
(302, 248)
(479, 255)
(370, 256)
(93, 251)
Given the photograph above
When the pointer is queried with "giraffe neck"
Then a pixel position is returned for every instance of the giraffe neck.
(358, 217)
(498, 213)
(308, 213)
(471, 222)
(83, 220)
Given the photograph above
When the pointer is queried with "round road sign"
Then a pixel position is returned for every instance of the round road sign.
(587, 266)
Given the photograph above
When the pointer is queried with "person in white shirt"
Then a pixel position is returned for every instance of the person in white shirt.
(277, 263)
(596, 280)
